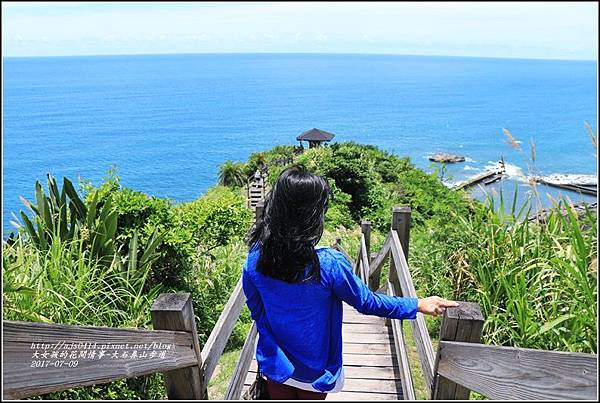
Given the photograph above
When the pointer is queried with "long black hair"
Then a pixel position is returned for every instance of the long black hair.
(291, 225)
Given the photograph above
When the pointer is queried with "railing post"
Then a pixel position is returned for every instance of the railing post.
(358, 265)
(463, 323)
(365, 228)
(175, 312)
(400, 224)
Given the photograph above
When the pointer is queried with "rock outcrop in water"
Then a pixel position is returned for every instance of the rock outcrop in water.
(446, 158)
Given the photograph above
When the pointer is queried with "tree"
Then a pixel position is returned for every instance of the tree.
(231, 174)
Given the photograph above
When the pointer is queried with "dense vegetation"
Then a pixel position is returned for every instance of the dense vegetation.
(535, 280)
(116, 252)
(101, 256)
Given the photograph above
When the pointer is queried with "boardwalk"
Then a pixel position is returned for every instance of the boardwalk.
(370, 365)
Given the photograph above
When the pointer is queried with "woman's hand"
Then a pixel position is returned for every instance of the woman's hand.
(434, 305)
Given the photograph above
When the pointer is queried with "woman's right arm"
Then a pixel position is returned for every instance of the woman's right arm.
(351, 289)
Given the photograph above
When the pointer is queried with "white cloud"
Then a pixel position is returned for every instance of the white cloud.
(202, 37)
(537, 30)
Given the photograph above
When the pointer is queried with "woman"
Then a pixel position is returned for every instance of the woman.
(295, 291)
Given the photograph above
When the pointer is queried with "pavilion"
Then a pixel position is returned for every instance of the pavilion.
(315, 137)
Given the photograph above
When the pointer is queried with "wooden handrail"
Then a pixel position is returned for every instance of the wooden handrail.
(464, 366)
(42, 358)
(463, 323)
(503, 373)
(365, 229)
(370, 272)
(377, 263)
(338, 246)
(109, 354)
(213, 349)
(175, 311)
(234, 391)
(418, 326)
(357, 267)
(408, 390)
(363, 261)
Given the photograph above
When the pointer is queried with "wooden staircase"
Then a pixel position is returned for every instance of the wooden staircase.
(370, 364)
(256, 190)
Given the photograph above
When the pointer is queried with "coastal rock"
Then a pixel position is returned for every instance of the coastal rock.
(446, 158)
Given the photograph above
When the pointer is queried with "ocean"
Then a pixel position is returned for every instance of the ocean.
(168, 121)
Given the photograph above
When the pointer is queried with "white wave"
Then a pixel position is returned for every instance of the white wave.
(470, 168)
(510, 170)
(579, 179)
(468, 159)
(513, 170)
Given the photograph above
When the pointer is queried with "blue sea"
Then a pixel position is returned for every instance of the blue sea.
(168, 121)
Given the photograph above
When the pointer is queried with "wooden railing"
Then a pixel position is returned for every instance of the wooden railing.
(463, 364)
(40, 358)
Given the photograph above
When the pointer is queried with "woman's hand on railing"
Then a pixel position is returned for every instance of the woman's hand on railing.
(434, 305)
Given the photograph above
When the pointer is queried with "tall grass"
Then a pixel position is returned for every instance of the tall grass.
(66, 285)
(535, 280)
(211, 282)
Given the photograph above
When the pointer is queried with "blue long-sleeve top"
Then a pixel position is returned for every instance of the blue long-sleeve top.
(300, 324)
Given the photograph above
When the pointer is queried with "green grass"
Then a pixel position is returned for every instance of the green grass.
(414, 362)
(65, 285)
(217, 387)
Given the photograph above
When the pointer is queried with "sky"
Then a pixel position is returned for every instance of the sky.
(534, 30)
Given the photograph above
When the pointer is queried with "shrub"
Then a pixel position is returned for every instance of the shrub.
(338, 213)
(372, 180)
(199, 242)
(211, 283)
(215, 218)
(143, 214)
(280, 155)
(232, 174)
(188, 228)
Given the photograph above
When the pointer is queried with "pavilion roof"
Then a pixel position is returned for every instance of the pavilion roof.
(315, 135)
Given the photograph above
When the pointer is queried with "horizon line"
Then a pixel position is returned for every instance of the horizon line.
(298, 53)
